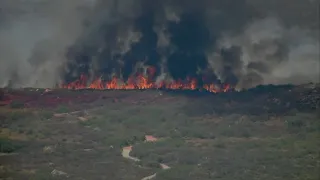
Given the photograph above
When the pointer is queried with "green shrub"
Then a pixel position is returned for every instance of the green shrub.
(295, 123)
(17, 115)
(220, 145)
(62, 109)
(150, 164)
(245, 133)
(44, 115)
(7, 146)
(16, 104)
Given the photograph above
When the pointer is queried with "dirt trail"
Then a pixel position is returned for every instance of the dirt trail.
(126, 154)
(150, 177)
(163, 166)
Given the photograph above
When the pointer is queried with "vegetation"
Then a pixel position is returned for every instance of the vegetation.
(225, 136)
(16, 104)
(8, 146)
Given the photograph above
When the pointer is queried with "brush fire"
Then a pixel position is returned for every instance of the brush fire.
(144, 81)
(128, 89)
(140, 80)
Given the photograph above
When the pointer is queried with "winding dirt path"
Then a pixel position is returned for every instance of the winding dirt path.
(150, 177)
(126, 154)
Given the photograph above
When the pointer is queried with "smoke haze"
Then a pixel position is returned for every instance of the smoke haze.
(34, 37)
(243, 43)
(272, 54)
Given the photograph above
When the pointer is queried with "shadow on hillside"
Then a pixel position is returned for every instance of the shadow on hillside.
(271, 100)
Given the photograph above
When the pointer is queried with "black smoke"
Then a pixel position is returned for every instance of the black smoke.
(198, 26)
(176, 37)
(240, 42)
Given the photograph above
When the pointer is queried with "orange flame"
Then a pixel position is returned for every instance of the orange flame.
(143, 82)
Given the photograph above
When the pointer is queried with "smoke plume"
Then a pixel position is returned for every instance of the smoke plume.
(34, 37)
(243, 43)
(266, 52)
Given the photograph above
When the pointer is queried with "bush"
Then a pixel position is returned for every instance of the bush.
(7, 146)
(220, 145)
(62, 109)
(16, 104)
(17, 115)
(151, 164)
(46, 115)
(295, 123)
(245, 133)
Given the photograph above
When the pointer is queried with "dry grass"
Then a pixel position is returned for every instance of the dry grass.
(12, 135)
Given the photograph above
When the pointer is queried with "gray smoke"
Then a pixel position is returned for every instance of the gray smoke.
(244, 43)
(34, 36)
(269, 53)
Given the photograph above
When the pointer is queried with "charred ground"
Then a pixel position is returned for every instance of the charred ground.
(267, 132)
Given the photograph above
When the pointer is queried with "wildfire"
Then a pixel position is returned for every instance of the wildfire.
(140, 81)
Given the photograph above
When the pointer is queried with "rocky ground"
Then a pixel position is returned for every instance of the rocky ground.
(268, 132)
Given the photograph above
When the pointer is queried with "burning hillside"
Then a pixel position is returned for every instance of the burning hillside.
(145, 81)
(271, 99)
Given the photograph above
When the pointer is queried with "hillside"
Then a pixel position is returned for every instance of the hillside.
(268, 132)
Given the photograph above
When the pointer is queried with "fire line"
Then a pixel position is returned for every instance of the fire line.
(140, 81)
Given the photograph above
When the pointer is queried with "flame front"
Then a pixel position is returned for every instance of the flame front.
(140, 81)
